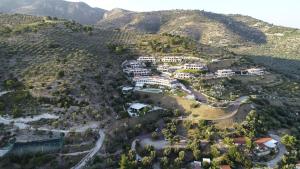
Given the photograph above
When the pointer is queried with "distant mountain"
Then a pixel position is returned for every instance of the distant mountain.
(200, 25)
(77, 11)
(238, 33)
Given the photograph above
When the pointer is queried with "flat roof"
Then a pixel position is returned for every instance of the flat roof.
(138, 106)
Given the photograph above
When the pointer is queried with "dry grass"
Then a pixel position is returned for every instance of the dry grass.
(175, 102)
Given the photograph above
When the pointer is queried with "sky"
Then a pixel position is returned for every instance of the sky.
(278, 12)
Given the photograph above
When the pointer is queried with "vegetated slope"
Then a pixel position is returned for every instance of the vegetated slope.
(77, 11)
(63, 67)
(209, 28)
(275, 46)
(281, 52)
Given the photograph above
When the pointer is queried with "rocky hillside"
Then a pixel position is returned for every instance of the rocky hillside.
(79, 12)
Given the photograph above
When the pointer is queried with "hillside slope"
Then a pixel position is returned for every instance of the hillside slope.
(79, 12)
(274, 46)
(203, 26)
(61, 67)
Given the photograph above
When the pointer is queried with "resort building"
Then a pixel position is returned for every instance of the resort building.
(163, 68)
(137, 71)
(225, 73)
(137, 109)
(265, 146)
(147, 59)
(195, 66)
(167, 68)
(155, 80)
(255, 71)
(127, 89)
(132, 64)
(182, 75)
(172, 59)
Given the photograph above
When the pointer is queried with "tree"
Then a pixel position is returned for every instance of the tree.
(124, 162)
(167, 151)
(289, 141)
(146, 161)
(197, 154)
(214, 151)
(249, 144)
(164, 162)
(60, 74)
(177, 162)
(181, 155)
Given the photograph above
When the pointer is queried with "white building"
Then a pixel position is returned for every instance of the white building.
(195, 66)
(155, 80)
(137, 71)
(225, 73)
(172, 59)
(167, 68)
(255, 71)
(163, 68)
(132, 64)
(183, 75)
(137, 109)
(147, 59)
(127, 89)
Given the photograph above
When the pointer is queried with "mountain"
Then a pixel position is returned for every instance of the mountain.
(240, 34)
(77, 11)
(200, 25)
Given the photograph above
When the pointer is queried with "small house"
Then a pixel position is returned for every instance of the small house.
(136, 109)
(265, 146)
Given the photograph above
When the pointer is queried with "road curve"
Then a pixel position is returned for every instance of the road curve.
(83, 162)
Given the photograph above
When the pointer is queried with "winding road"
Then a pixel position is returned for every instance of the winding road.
(83, 162)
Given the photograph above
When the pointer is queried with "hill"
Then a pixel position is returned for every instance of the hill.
(77, 11)
(274, 46)
(58, 63)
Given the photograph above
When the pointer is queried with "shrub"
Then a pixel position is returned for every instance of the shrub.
(60, 74)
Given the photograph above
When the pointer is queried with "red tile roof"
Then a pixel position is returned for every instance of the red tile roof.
(263, 140)
(239, 140)
(225, 167)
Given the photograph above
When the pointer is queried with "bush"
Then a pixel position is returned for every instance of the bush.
(60, 74)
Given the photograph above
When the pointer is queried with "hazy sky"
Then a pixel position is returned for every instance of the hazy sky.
(279, 12)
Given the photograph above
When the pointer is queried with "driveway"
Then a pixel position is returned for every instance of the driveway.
(282, 151)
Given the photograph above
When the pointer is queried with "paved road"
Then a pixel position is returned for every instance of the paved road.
(4, 92)
(282, 151)
(133, 147)
(92, 152)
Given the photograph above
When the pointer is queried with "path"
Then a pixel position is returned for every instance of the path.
(4, 92)
(92, 152)
(22, 122)
(133, 147)
(76, 153)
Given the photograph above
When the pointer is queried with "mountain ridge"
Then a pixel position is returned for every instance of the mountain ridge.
(78, 11)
